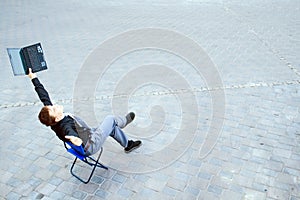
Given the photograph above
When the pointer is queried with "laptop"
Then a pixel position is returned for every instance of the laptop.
(27, 57)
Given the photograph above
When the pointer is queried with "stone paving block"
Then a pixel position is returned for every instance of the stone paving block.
(294, 164)
(247, 173)
(115, 196)
(215, 189)
(184, 196)
(33, 195)
(89, 189)
(134, 185)
(210, 169)
(96, 179)
(34, 181)
(63, 162)
(57, 195)
(43, 174)
(269, 172)
(276, 166)
(253, 194)
(79, 194)
(260, 187)
(195, 165)
(53, 168)
(24, 189)
(237, 188)
(176, 184)
(46, 189)
(291, 171)
(258, 160)
(14, 182)
(125, 193)
(277, 193)
(67, 188)
(151, 195)
(285, 187)
(215, 161)
(108, 174)
(55, 180)
(110, 186)
(264, 179)
(194, 182)
(5, 189)
(155, 184)
(5, 176)
(92, 197)
(42, 162)
(204, 175)
(236, 161)
(13, 195)
(119, 178)
(101, 194)
(170, 192)
(51, 156)
(221, 182)
(242, 180)
(192, 191)
(227, 194)
(183, 176)
(226, 174)
(261, 153)
(253, 166)
(142, 177)
(208, 195)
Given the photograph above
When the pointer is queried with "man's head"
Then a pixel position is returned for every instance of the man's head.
(50, 115)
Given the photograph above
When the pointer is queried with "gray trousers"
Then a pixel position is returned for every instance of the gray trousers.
(110, 126)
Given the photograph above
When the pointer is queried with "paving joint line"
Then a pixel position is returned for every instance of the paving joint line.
(264, 42)
(159, 93)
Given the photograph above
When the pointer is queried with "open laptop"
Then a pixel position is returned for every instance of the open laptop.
(27, 57)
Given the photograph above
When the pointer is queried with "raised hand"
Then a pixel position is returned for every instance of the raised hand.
(31, 75)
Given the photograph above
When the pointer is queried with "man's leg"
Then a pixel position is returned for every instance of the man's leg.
(111, 126)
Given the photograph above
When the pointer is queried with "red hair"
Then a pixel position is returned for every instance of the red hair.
(45, 117)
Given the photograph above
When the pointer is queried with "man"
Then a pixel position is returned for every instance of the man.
(73, 129)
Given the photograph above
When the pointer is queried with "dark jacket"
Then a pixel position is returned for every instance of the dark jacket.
(64, 127)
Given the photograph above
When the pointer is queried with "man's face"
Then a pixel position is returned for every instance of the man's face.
(56, 110)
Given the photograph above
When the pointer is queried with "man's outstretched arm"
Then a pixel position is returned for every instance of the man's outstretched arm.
(39, 88)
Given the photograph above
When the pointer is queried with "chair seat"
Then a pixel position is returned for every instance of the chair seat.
(72, 151)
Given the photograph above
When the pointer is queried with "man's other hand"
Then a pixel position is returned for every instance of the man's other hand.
(75, 140)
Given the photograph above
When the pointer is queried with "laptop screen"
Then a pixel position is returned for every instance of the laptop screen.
(15, 61)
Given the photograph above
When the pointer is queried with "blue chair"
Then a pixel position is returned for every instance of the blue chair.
(78, 152)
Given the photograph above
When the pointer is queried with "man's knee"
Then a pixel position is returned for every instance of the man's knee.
(110, 119)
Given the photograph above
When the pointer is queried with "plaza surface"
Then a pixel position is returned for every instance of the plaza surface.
(230, 134)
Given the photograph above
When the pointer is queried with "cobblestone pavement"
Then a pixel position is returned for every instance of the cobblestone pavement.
(254, 46)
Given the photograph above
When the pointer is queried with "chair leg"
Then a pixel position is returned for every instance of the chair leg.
(95, 164)
(71, 170)
(97, 161)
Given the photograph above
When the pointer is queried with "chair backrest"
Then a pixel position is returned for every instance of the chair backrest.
(77, 151)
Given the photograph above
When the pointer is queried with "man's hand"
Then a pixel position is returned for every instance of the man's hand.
(31, 75)
(75, 140)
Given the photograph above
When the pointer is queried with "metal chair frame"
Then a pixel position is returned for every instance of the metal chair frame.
(78, 152)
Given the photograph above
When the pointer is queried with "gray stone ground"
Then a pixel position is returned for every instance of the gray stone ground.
(254, 46)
